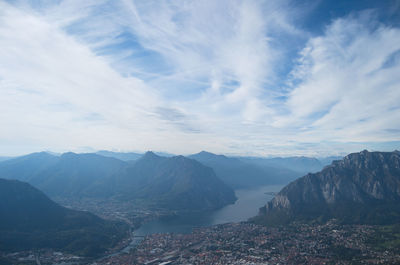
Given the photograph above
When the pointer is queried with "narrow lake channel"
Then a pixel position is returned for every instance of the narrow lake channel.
(247, 205)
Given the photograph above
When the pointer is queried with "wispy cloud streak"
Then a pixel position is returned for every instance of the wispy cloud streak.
(182, 76)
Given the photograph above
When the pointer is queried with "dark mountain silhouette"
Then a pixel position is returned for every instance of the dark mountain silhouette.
(243, 174)
(29, 220)
(362, 188)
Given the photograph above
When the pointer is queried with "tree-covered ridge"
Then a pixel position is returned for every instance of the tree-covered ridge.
(30, 220)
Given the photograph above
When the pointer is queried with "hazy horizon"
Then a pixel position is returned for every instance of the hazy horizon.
(163, 153)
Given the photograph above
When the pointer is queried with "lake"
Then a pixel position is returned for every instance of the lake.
(247, 205)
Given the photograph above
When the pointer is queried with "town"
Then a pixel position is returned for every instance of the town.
(240, 243)
(247, 243)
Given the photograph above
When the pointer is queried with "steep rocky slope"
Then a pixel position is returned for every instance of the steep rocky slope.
(362, 188)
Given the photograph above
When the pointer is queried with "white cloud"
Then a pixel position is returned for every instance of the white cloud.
(184, 76)
(223, 43)
(345, 92)
(56, 91)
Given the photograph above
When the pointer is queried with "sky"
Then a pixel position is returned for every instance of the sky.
(253, 78)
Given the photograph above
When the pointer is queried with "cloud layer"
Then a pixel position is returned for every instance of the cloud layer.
(239, 77)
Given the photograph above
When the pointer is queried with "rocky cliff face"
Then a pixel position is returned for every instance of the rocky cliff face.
(349, 189)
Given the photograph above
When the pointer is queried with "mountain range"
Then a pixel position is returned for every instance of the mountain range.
(151, 180)
(241, 174)
(128, 156)
(247, 172)
(298, 164)
(67, 175)
(177, 183)
(124, 156)
(30, 220)
(361, 188)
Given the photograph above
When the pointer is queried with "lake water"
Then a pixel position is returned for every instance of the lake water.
(247, 205)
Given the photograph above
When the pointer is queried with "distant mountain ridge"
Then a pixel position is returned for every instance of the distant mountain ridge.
(175, 183)
(240, 174)
(128, 156)
(300, 164)
(361, 188)
(4, 158)
(67, 175)
(26, 167)
(29, 219)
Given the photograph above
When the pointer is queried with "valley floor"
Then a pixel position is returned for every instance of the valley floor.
(246, 243)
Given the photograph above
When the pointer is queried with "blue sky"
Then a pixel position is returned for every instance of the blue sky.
(237, 77)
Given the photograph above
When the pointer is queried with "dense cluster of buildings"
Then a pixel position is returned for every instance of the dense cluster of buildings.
(128, 212)
(246, 243)
(44, 256)
(240, 243)
(234, 243)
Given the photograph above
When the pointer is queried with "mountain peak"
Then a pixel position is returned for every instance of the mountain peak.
(364, 187)
(179, 157)
(149, 158)
(364, 152)
(42, 154)
(69, 154)
(205, 153)
(150, 154)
